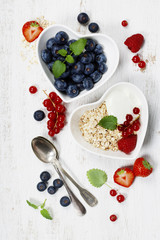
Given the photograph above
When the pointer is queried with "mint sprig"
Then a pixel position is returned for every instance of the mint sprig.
(78, 46)
(62, 52)
(108, 122)
(96, 177)
(58, 68)
(46, 214)
(69, 59)
(32, 205)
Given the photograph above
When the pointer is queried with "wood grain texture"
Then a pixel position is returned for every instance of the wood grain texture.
(138, 216)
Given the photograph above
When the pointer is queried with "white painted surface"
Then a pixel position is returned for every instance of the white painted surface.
(19, 168)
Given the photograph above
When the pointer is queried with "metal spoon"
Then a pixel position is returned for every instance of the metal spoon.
(44, 150)
(87, 196)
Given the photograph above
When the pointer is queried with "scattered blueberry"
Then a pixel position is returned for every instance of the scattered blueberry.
(102, 67)
(83, 18)
(41, 186)
(89, 68)
(86, 58)
(78, 77)
(96, 76)
(90, 45)
(72, 91)
(88, 83)
(78, 68)
(93, 27)
(65, 201)
(61, 38)
(39, 115)
(57, 183)
(101, 58)
(50, 43)
(55, 50)
(98, 49)
(52, 190)
(46, 56)
(60, 85)
(45, 176)
(50, 65)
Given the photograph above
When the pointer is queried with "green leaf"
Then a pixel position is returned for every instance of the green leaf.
(78, 46)
(96, 177)
(62, 52)
(58, 68)
(32, 205)
(43, 204)
(69, 59)
(108, 122)
(46, 214)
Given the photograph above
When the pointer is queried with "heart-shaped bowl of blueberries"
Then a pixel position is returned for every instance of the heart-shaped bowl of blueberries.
(75, 64)
(115, 126)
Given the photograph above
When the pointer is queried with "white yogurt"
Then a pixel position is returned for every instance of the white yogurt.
(121, 101)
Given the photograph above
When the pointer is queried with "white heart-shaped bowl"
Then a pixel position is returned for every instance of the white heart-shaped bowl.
(109, 46)
(77, 135)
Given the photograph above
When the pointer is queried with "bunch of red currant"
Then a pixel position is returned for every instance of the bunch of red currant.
(129, 126)
(56, 113)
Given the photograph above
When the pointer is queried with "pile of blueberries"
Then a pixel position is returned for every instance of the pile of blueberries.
(86, 70)
(57, 183)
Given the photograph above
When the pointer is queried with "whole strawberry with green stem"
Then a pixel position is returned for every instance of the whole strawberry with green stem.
(142, 168)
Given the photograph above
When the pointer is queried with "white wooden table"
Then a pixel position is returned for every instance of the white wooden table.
(138, 216)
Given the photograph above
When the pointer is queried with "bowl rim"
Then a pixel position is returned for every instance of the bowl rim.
(79, 35)
(99, 101)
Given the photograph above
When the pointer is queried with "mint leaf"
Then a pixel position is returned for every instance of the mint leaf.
(96, 177)
(62, 52)
(58, 68)
(43, 204)
(69, 59)
(46, 214)
(32, 205)
(78, 46)
(108, 122)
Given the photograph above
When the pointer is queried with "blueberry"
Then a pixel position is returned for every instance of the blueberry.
(98, 49)
(52, 190)
(57, 183)
(101, 58)
(93, 27)
(83, 18)
(93, 56)
(41, 186)
(50, 65)
(61, 58)
(45, 176)
(90, 45)
(78, 68)
(60, 85)
(88, 83)
(61, 38)
(46, 56)
(80, 86)
(65, 201)
(72, 91)
(77, 77)
(39, 115)
(102, 67)
(86, 58)
(96, 76)
(50, 43)
(71, 41)
(55, 50)
(89, 68)
(65, 74)
(66, 47)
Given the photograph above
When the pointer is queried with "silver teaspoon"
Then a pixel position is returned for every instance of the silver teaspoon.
(45, 152)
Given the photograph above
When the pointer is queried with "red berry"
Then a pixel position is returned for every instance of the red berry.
(120, 198)
(56, 130)
(52, 115)
(136, 59)
(51, 108)
(113, 192)
(33, 89)
(130, 130)
(136, 126)
(124, 133)
(61, 118)
(51, 133)
(136, 110)
(50, 127)
(141, 64)
(113, 218)
(124, 23)
(121, 127)
(53, 95)
(60, 125)
(50, 123)
(47, 103)
(129, 117)
(60, 108)
(57, 100)
(126, 123)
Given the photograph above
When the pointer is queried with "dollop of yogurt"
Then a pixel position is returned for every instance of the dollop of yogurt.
(121, 101)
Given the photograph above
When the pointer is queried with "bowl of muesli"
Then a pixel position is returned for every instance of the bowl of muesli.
(114, 126)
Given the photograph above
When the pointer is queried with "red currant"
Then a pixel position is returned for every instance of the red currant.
(53, 95)
(113, 218)
(60, 125)
(129, 117)
(60, 108)
(124, 133)
(124, 23)
(50, 108)
(51, 133)
(136, 126)
(136, 59)
(50, 123)
(126, 123)
(57, 100)
(136, 110)
(50, 127)
(130, 130)
(56, 130)
(120, 198)
(141, 64)
(47, 103)
(61, 118)
(113, 192)
(33, 89)
(52, 115)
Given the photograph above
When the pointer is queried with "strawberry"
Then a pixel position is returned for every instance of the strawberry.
(127, 144)
(134, 42)
(31, 30)
(142, 168)
(124, 177)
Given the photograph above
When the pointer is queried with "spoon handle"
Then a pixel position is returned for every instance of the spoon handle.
(73, 198)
